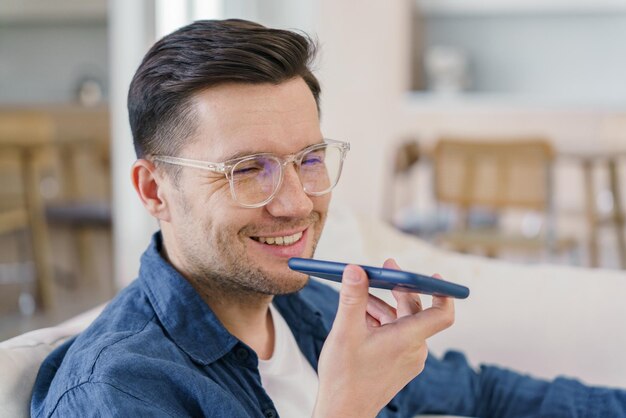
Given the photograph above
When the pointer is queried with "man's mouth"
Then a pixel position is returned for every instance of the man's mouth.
(280, 240)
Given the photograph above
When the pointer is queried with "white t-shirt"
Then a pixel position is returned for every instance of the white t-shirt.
(288, 378)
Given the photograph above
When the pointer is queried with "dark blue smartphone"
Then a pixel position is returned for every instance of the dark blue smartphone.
(382, 278)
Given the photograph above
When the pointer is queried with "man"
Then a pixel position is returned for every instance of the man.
(232, 163)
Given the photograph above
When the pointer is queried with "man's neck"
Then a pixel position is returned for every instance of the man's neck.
(246, 317)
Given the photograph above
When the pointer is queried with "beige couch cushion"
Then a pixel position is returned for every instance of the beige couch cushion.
(20, 358)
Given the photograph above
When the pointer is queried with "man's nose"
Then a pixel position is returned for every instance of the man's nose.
(290, 200)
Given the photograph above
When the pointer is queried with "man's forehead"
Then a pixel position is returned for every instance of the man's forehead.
(256, 104)
(241, 119)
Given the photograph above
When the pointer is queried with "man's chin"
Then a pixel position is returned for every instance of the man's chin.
(285, 283)
(296, 286)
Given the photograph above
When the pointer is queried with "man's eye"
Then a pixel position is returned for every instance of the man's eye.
(313, 159)
(246, 171)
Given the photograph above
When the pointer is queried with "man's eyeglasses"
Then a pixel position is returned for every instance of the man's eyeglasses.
(255, 179)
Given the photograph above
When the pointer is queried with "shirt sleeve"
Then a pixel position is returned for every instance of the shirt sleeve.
(103, 399)
(451, 386)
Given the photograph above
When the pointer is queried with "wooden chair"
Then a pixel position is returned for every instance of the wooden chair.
(22, 135)
(496, 176)
(60, 137)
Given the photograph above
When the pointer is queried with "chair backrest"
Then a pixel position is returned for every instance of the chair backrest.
(22, 132)
(68, 139)
(494, 174)
(25, 127)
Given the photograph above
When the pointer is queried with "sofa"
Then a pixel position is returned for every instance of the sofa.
(544, 320)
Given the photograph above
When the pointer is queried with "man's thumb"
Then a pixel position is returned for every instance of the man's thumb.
(353, 295)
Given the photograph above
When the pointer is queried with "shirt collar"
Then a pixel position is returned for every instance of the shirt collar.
(189, 321)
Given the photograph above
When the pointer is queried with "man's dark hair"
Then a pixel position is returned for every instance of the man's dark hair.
(204, 54)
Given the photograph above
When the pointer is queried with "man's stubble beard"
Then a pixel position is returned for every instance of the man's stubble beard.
(232, 274)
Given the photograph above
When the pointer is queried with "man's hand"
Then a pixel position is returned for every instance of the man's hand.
(373, 349)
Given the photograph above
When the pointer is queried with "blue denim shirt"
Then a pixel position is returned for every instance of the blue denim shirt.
(157, 350)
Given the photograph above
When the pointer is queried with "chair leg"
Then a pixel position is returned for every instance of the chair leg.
(38, 231)
(618, 216)
(592, 219)
(84, 243)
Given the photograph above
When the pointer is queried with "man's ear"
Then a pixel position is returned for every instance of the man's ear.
(151, 189)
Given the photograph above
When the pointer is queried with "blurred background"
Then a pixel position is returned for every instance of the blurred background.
(488, 127)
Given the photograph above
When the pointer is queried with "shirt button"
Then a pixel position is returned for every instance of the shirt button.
(241, 354)
(270, 413)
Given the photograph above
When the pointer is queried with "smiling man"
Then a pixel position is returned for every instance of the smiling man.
(238, 224)
(233, 165)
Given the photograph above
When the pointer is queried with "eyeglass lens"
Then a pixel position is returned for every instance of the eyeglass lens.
(255, 179)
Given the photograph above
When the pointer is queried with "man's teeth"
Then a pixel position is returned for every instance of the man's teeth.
(281, 240)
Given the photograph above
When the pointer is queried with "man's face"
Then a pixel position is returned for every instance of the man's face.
(211, 238)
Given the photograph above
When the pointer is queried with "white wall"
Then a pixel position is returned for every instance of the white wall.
(364, 71)
(568, 55)
(44, 62)
(131, 34)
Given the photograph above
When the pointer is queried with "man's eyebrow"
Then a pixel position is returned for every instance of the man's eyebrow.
(245, 153)
(239, 154)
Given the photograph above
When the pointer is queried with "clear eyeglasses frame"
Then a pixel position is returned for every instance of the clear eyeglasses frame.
(255, 179)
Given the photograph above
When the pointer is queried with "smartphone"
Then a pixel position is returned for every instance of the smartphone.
(381, 278)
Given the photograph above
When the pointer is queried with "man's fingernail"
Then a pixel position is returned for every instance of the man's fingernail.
(352, 275)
